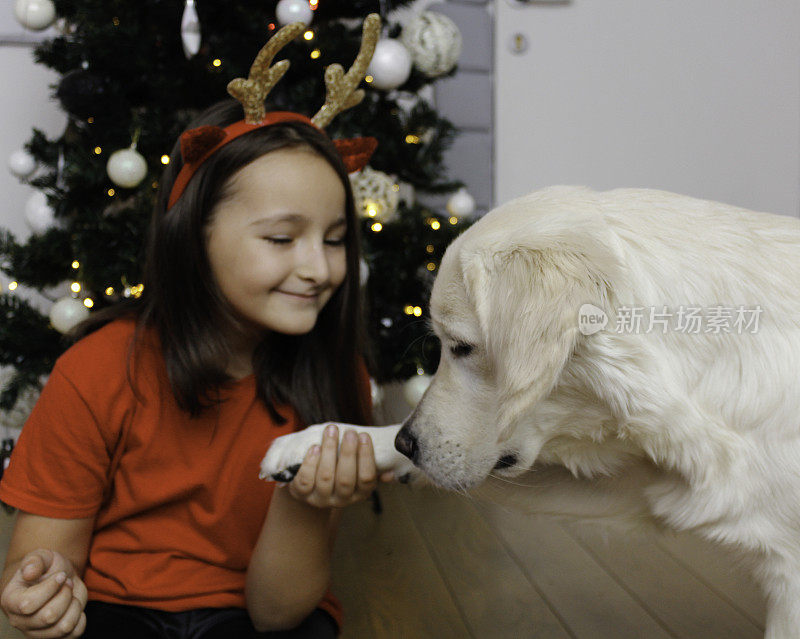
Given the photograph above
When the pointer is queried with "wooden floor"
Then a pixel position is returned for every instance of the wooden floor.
(438, 565)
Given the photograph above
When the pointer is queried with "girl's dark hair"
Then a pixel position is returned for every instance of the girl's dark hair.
(316, 373)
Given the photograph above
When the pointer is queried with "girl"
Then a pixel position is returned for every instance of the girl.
(136, 475)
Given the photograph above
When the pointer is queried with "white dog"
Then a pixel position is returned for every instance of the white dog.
(647, 342)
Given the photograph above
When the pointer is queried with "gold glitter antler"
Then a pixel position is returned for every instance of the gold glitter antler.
(340, 88)
(253, 91)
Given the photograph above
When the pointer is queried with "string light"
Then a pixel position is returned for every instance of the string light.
(90, 120)
(76, 264)
(88, 302)
(412, 139)
(314, 4)
(377, 227)
(271, 26)
(316, 53)
(431, 266)
(165, 159)
(111, 192)
(308, 35)
(453, 220)
(98, 150)
(429, 248)
(417, 311)
(110, 291)
(369, 78)
(76, 287)
(12, 286)
(435, 225)
(217, 62)
(115, 21)
(371, 208)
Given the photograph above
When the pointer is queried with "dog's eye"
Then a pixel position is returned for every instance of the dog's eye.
(461, 349)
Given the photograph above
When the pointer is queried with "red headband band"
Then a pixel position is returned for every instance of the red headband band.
(197, 145)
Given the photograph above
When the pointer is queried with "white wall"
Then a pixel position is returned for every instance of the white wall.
(24, 103)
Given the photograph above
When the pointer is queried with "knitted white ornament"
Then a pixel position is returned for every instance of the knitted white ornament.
(434, 41)
(376, 194)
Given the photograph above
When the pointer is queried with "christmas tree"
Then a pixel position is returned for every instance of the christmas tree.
(133, 75)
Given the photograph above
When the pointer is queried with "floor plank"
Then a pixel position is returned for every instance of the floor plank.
(687, 606)
(591, 603)
(402, 592)
(493, 593)
(721, 570)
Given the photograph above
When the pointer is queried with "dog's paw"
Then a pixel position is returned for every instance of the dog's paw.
(286, 454)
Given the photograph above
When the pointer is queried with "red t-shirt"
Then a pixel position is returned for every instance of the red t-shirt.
(176, 525)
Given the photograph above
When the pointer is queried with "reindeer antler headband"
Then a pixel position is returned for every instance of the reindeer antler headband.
(341, 93)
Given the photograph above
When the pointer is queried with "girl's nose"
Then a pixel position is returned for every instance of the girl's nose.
(313, 265)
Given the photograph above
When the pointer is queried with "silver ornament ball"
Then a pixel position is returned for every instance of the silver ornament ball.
(390, 66)
(67, 313)
(21, 163)
(126, 168)
(35, 15)
(288, 11)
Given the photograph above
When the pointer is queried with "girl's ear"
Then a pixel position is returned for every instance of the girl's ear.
(527, 303)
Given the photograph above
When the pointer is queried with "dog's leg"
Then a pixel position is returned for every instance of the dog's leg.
(284, 457)
(782, 585)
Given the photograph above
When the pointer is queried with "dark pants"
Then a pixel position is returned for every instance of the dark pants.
(113, 621)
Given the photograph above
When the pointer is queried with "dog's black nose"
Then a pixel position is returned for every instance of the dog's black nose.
(406, 443)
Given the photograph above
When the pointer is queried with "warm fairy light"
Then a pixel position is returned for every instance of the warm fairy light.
(76, 287)
(417, 311)
(111, 192)
(431, 266)
(314, 4)
(315, 54)
(271, 26)
(90, 120)
(308, 35)
(216, 62)
(164, 159)
(377, 227)
(371, 208)
(97, 150)
(12, 286)
(154, 184)
(115, 21)
(429, 248)
(88, 302)
(76, 264)
(435, 225)
(453, 220)
(412, 139)
(110, 291)
(369, 78)
(408, 310)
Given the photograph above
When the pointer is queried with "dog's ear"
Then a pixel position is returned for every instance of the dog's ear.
(527, 303)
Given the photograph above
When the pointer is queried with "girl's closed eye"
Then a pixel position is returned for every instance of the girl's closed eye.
(281, 239)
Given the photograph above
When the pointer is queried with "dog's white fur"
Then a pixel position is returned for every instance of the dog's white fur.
(699, 431)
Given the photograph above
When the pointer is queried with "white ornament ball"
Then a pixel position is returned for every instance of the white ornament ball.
(126, 168)
(35, 15)
(21, 163)
(289, 11)
(39, 215)
(434, 41)
(461, 204)
(67, 313)
(414, 388)
(377, 195)
(390, 65)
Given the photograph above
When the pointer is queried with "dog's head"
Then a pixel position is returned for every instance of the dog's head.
(505, 306)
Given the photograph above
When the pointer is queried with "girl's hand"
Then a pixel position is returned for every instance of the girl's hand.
(328, 480)
(45, 598)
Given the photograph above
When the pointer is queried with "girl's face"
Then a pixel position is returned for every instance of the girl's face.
(276, 241)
